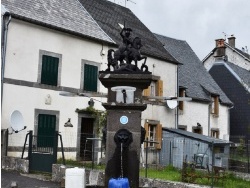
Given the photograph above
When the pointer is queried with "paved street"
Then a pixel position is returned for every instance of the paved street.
(25, 180)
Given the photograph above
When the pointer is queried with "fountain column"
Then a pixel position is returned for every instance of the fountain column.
(124, 107)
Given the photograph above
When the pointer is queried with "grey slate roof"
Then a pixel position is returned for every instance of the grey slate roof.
(192, 74)
(242, 73)
(108, 15)
(66, 15)
(198, 137)
(243, 53)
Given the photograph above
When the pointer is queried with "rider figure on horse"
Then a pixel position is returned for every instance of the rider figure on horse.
(127, 40)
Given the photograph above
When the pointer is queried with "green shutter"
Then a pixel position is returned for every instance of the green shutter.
(46, 130)
(90, 77)
(49, 70)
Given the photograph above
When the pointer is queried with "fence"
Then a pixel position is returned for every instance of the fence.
(239, 159)
(82, 146)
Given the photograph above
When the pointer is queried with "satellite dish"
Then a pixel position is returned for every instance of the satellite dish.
(172, 104)
(16, 121)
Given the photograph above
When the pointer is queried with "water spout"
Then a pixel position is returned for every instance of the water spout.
(121, 161)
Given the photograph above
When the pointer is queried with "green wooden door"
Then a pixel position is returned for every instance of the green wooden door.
(46, 130)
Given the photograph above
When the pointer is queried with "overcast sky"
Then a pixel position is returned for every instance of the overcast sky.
(199, 22)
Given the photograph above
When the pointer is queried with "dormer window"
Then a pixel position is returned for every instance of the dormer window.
(215, 105)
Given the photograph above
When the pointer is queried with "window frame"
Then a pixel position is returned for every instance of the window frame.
(158, 133)
(40, 64)
(155, 88)
(215, 133)
(36, 120)
(182, 93)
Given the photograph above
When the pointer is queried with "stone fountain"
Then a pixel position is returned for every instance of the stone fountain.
(123, 134)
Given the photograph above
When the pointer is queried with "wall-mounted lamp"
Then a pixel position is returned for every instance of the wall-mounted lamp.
(68, 123)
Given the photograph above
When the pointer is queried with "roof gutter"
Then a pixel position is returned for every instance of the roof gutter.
(6, 18)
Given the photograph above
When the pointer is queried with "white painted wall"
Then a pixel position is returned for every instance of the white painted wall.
(221, 122)
(168, 73)
(232, 57)
(23, 52)
(195, 112)
(237, 59)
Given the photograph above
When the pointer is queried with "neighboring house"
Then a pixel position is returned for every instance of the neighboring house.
(61, 46)
(208, 112)
(230, 68)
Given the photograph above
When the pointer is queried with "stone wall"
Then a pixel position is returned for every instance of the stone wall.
(15, 163)
(93, 177)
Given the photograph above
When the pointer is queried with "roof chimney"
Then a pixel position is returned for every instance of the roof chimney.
(220, 47)
(231, 41)
(219, 43)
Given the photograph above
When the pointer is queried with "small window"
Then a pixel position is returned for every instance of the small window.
(182, 127)
(215, 105)
(154, 134)
(49, 70)
(89, 76)
(181, 94)
(215, 133)
(155, 89)
(197, 130)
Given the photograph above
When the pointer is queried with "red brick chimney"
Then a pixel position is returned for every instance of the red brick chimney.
(219, 43)
(231, 41)
(220, 47)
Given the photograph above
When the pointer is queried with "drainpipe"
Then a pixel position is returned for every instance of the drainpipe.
(6, 18)
(177, 94)
(228, 124)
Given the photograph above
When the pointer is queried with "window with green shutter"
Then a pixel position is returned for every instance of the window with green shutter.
(90, 77)
(49, 74)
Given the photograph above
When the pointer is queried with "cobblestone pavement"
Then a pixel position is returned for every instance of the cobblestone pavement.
(10, 178)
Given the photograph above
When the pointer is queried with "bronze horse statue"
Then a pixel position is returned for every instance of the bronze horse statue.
(128, 54)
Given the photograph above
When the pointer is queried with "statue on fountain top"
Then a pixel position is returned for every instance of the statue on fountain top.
(128, 52)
